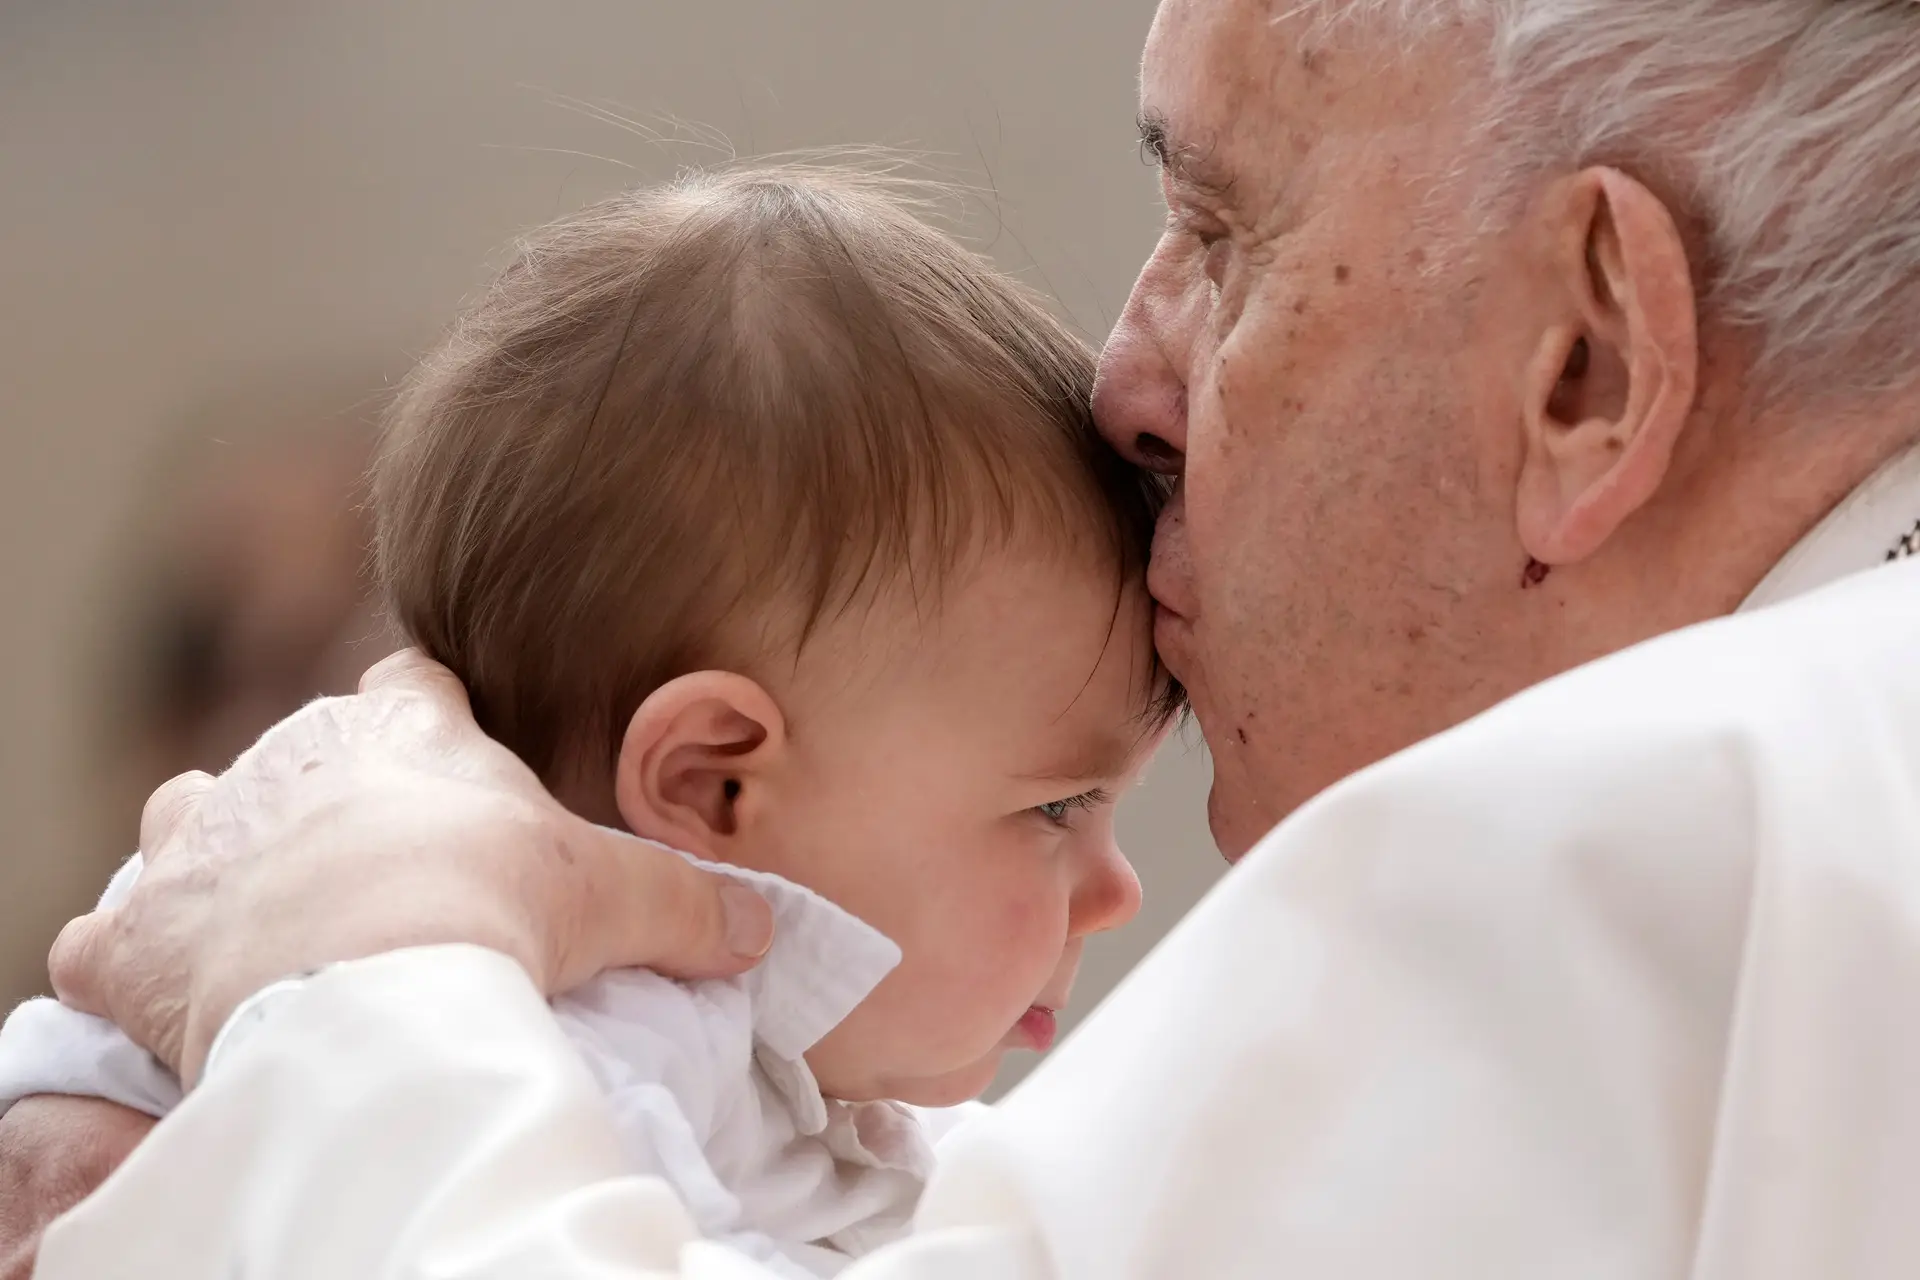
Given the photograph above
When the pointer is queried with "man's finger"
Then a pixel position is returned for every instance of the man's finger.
(74, 963)
(410, 671)
(171, 803)
(649, 907)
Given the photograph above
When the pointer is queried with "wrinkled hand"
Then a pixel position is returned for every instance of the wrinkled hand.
(366, 824)
(53, 1152)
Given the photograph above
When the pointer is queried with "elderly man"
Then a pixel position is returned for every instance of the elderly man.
(1489, 338)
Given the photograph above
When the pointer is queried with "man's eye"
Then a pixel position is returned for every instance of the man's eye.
(1215, 247)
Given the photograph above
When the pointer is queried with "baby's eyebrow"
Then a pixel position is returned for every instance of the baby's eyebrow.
(1090, 760)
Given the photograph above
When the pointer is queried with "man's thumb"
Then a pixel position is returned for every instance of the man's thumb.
(650, 907)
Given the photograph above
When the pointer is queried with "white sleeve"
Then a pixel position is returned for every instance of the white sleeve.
(46, 1047)
(419, 1114)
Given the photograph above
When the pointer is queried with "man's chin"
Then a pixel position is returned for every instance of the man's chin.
(1233, 834)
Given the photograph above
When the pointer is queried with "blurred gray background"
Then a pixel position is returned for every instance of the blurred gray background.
(226, 228)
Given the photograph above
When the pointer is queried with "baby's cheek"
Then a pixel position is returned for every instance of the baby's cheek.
(1010, 959)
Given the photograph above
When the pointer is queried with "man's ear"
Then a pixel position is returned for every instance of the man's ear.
(694, 761)
(1612, 381)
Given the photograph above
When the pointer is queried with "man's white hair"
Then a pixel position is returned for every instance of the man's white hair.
(1786, 133)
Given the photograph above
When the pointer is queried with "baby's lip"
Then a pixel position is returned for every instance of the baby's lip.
(1036, 1028)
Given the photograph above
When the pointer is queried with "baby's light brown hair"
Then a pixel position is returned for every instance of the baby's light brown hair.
(689, 408)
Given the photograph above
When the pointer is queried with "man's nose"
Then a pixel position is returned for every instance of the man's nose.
(1107, 894)
(1139, 396)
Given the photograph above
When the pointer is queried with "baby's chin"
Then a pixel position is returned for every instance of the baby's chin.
(947, 1089)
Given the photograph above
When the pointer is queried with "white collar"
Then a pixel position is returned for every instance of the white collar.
(824, 961)
(1871, 526)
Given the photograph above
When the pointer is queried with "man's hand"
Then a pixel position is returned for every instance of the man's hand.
(53, 1152)
(366, 824)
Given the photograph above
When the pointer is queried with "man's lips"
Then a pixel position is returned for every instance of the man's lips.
(1166, 595)
(1035, 1030)
(1171, 631)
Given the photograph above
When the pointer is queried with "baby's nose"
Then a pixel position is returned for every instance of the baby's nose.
(1107, 896)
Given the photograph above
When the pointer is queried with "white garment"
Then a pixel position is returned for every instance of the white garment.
(1620, 980)
(706, 1084)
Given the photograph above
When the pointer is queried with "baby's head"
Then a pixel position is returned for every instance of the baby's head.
(765, 521)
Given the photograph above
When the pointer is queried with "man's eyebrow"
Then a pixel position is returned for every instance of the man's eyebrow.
(1188, 164)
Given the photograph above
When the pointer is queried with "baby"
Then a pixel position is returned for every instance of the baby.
(770, 525)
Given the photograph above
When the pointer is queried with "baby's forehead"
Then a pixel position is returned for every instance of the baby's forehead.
(1061, 644)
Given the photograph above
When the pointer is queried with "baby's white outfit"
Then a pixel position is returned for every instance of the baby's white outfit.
(705, 1080)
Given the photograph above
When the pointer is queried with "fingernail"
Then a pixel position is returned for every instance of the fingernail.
(749, 921)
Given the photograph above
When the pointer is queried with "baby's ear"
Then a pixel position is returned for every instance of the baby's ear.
(695, 755)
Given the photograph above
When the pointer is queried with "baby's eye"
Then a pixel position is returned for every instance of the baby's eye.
(1059, 811)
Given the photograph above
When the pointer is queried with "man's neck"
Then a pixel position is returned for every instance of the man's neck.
(1879, 521)
(1779, 478)
(1742, 496)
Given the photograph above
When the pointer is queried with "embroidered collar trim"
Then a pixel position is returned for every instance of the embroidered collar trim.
(1909, 544)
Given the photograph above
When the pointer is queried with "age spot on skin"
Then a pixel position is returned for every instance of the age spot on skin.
(1341, 272)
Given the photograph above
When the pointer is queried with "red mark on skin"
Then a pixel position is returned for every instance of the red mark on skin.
(1242, 735)
(1341, 272)
(1534, 574)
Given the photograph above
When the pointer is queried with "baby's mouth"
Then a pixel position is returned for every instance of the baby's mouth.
(1036, 1029)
